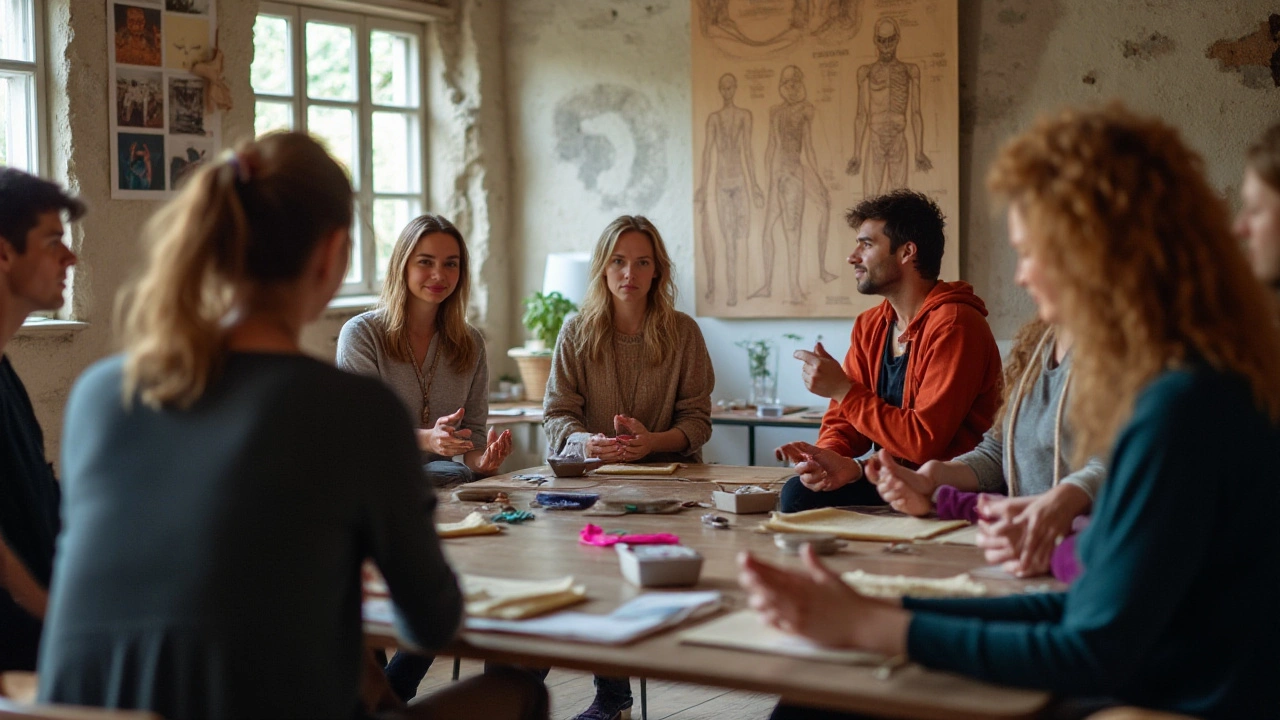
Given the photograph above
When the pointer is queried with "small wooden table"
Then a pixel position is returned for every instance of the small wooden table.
(748, 419)
(548, 547)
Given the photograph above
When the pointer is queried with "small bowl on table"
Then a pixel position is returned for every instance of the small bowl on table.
(566, 467)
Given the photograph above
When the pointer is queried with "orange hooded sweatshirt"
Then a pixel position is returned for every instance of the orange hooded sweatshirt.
(951, 390)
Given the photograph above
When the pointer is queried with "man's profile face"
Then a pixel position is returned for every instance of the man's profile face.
(875, 267)
(886, 40)
(38, 276)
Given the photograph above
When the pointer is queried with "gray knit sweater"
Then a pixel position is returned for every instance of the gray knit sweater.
(583, 396)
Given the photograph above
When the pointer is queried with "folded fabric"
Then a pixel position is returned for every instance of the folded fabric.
(857, 526)
(594, 535)
(473, 524)
(511, 599)
(621, 469)
(895, 586)
(661, 506)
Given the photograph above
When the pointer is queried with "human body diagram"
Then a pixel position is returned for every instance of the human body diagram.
(888, 90)
(728, 144)
(825, 21)
(792, 169)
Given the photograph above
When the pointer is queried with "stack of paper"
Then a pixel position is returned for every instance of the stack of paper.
(743, 630)
(642, 616)
(857, 526)
(895, 586)
(507, 599)
(473, 524)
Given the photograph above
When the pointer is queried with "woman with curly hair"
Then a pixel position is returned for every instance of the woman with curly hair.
(1177, 369)
(1258, 223)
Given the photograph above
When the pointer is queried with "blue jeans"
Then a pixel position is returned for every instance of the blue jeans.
(447, 473)
(796, 497)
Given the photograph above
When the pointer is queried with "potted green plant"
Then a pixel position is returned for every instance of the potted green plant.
(762, 368)
(543, 317)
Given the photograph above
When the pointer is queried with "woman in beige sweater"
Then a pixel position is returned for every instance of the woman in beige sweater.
(631, 379)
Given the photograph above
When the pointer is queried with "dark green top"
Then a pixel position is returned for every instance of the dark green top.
(1176, 609)
(210, 561)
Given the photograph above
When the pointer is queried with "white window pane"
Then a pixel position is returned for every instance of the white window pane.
(331, 66)
(336, 128)
(17, 126)
(395, 153)
(268, 116)
(393, 68)
(272, 69)
(17, 31)
(355, 265)
(389, 218)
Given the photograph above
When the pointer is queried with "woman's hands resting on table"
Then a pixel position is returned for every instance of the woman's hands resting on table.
(814, 602)
(1021, 533)
(820, 470)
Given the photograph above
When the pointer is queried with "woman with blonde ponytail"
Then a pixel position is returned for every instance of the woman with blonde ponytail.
(222, 489)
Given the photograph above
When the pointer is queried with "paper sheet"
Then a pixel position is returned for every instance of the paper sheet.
(620, 469)
(641, 616)
(895, 586)
(857, 526)
(473, 524)
(510, 599)
(743, 630)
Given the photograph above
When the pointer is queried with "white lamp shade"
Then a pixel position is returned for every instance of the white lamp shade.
(567, 273)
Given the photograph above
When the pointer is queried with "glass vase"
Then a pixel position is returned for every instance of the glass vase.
(762, 369)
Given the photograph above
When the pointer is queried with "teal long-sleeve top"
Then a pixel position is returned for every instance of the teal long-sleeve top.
(1176, 609)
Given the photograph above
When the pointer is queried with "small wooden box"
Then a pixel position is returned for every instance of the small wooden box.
(745, 503)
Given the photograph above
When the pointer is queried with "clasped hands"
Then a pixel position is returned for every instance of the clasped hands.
(821, 470)
(445, 439)
(632, 441)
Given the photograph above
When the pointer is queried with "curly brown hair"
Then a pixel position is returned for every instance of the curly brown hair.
(1140, 248)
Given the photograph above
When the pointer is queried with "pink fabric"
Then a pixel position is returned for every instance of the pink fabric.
(595, 535)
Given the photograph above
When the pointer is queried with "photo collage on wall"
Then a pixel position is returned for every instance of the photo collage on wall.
(162, 130)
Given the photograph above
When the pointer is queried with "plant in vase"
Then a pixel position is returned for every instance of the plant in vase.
(543, 317)
(762, 368)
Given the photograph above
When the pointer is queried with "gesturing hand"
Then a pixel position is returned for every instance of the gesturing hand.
(444, 438)
(906, 491)
(499, 447)
(820, 470)
(1021, 533)
(822, 373)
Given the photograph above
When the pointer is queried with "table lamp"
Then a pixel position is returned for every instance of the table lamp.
(567, 273)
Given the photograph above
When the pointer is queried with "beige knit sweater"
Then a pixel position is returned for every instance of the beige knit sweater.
(583, 396)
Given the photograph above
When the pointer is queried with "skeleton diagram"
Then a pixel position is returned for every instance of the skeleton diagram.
(728, 138)
(792, 167)
(885, 89)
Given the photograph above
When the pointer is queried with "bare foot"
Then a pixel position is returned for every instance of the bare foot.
(828, 276)
(763, 292)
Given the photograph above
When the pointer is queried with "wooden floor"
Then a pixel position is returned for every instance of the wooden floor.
(572, 692)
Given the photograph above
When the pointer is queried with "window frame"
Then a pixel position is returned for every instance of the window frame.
(364, 24)
(38, 125)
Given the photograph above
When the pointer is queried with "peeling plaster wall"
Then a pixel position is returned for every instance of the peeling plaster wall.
(107, 239)
(599, 124)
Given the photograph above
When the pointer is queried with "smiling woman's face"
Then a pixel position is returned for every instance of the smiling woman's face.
(1030, 275)
(434, 267)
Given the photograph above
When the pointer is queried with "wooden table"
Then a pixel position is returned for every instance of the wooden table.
(748, 419)
(548, 547)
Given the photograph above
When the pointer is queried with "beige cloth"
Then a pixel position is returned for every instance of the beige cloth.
(857, 526)
(473, 524)
(895, 586)
(508, 599)
(583, 397)
(621, 469)
(743, 630)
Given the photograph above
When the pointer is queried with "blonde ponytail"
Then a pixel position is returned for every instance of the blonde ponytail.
(254, 218)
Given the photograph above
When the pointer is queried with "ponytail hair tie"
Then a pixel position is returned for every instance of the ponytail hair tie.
(242, 167)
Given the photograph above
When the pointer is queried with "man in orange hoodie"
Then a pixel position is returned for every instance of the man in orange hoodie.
(922, 375)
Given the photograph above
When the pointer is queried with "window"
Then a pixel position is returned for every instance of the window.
(354, 82)
(21, 85)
